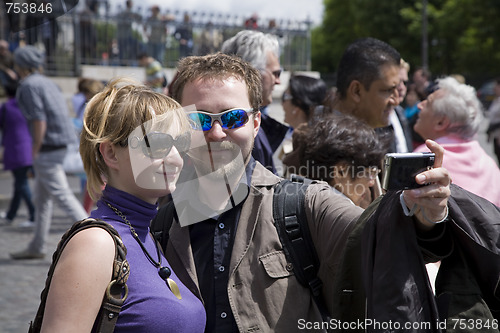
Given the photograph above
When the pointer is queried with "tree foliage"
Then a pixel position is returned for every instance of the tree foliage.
(463, 35)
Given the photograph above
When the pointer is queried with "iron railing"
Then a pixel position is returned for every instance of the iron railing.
(106, 39)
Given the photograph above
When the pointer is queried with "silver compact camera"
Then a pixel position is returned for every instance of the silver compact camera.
(400, 169)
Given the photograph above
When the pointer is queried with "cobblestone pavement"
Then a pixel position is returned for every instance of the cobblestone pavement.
(22, 281)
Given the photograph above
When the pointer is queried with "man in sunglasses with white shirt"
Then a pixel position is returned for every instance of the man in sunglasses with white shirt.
(222, 241)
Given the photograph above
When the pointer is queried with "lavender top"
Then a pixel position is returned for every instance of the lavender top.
(150, 307)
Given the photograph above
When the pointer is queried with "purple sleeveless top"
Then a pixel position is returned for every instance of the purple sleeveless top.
(150, 307)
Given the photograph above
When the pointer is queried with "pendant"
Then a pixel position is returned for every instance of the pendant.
(165, 273)
(174, 288)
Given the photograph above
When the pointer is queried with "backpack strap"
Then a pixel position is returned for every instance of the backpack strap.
(293, 230)
(161, 224)
(3, 109)
(117, 290)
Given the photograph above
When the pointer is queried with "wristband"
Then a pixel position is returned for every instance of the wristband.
(444, 219)
(405, 208)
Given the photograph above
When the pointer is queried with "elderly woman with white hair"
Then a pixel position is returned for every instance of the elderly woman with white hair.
(451, 116)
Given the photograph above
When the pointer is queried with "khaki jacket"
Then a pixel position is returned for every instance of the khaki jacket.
(263, 293)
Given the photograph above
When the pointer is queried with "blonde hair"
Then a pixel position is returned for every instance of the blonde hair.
(112, 114)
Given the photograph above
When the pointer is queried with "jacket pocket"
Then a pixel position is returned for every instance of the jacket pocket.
(276, 265)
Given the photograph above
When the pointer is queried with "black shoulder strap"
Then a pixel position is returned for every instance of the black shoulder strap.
(3, 109)
(291, 223)
(117, 290)
(160, 225)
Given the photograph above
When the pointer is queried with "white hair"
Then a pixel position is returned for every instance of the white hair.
(461, 105)
(252, 46)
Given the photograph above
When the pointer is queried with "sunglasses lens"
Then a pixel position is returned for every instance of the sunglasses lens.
(234, 119)
(200, 121)
(228, 119)
(183, 142)
(157, 145)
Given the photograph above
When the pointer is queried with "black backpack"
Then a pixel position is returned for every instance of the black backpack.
(293, 231)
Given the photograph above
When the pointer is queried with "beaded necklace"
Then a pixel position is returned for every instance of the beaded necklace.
(163, 271)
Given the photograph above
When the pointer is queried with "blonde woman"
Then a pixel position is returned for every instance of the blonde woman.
(131, 142)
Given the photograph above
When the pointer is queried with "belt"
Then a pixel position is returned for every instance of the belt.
(46, 148)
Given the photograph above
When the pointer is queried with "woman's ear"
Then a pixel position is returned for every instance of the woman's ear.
(340, 170)
(442, 123)
(107, 150)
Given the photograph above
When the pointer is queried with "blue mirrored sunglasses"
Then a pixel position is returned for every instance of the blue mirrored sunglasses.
(158, 145)
(229, 119)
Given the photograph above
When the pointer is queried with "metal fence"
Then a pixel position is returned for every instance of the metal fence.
(80, 37)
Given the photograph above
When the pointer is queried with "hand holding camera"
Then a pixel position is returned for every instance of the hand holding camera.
(432, 197)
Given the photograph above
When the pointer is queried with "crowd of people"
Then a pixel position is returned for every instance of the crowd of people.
(198, 161)
(131, 30)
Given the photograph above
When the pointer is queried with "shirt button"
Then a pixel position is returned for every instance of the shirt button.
(223, 315)
(221, 268)
(221, 225)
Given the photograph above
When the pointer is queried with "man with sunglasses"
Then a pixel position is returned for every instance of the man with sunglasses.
(222, 241)
(262, 52)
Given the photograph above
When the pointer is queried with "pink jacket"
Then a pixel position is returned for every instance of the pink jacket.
(470, 167)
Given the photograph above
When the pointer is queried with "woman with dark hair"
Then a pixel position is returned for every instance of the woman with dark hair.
(301, 100)
(346, 153)
(303, 95)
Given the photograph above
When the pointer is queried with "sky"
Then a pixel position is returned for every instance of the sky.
(266, 9)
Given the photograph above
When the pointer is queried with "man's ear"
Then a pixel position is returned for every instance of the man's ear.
(354, 90)
(107, 150)
(256, 123)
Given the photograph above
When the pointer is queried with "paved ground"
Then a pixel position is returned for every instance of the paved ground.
(22, 281)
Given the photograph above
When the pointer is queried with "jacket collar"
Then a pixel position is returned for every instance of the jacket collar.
(262, 177)
(251, 210)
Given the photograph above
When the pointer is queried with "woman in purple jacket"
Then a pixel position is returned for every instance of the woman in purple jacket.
(131, 142)
(16, 140)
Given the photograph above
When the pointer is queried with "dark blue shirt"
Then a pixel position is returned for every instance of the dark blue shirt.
(268, 139)
(212, 244)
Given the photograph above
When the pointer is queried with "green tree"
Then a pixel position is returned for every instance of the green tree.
(463, 34)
